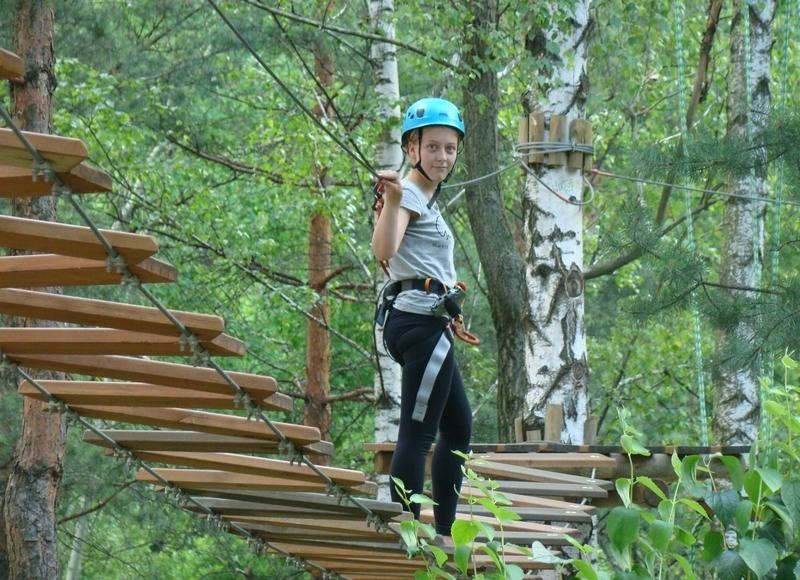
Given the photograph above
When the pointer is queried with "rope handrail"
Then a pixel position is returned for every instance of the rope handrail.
(63, 190)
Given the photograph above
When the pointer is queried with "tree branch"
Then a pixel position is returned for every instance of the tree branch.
(98, 506)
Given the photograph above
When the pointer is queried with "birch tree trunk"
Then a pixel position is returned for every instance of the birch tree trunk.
(555, 351)
(28, 514)
(317, 410)
(388, 156)
(736, 405)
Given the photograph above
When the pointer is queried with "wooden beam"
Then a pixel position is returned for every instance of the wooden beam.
(167, 374)
(127, 394)
(107, 341)
(45, 270)
(497, 470)
(11, 66)
(318, 502)
(70, 240)
(88, 312)
(518, 500)
(173, 418)
(198, 479)
(233, 507)
(563, 490)
(169, 440)
(558, 461)
(255, 465)
(83, 178)
(533, 514)
(63, 153)
(426, 515)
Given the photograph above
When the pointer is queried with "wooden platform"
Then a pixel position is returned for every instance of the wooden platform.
(63, 153)
(47, 270)
(83, 178)
(11, 66)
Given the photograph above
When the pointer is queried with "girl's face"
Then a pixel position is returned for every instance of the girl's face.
(438, 150)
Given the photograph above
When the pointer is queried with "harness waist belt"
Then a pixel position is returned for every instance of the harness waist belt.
(433, 286)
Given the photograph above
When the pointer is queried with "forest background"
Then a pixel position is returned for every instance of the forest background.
(214, 158)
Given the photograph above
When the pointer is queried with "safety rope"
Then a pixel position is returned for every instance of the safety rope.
(765, 431)
(115, 261)
(678, 18)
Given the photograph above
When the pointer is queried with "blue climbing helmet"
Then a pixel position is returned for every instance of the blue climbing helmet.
(432, 111)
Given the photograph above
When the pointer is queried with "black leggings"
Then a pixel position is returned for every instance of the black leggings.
(412, 340)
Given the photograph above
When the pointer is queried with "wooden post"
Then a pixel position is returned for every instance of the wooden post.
(519, 430)
(553, 421)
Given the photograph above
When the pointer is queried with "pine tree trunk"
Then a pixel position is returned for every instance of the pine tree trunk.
(28, 513)
(388, 156)
(500, 258)
(735, 417)
(318, 346)
(555, 352)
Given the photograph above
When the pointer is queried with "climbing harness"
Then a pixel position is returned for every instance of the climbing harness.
(448, 304)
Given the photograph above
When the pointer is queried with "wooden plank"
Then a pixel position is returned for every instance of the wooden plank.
(236, 507)
(331, 546)
(318, 502)
(518, 500)
(554, 418)
(127, 394)
(536, 514)
(426, 515)
(198, 479)
(550, 460)
(70, 240)
(516, 472)
(358, 528)
(46, 270)
(167, 374)
(173, 418)
(11, 66)
(255, 466)
(88, 312)
(169, 440)
(571, 490)
(63, 153)
(107, 341)
(83, 178)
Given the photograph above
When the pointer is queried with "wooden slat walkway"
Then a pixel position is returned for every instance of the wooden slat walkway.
(231, 464)
(83, 178)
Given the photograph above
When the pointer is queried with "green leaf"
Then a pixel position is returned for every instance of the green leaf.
(421, 499)
(790, 495)
(461, 556)
(730, 566)
(693, 505)
(439, 555)
(789, 362)
(713, 545)
(622, 526)
(686, 566)
(752, 485)
(514, 572)
(771, 478)
(677, 466)
(464, 532)
(623, 487)
(585, 570)
(724, 504)
(684, 536)
(689, 475)
(734, 467)
(660, 535)
(783, 513)
(759, 555)
(651, 485)
(408, 532)
(633, 447)
(742, 515)
(542, 554)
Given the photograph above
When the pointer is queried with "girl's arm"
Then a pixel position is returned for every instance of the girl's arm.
(393, 219)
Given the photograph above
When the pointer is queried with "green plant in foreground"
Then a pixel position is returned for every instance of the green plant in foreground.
(745, 526)
(418, 536)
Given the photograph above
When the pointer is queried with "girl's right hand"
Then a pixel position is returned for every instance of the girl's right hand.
(392, 188)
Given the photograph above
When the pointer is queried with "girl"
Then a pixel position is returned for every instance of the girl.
(412, 236)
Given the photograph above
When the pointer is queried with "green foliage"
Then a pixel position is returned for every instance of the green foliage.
(743, 523)
(421, 539)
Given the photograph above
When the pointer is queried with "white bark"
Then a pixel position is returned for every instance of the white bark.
(736, 388)
(556, 349)
(388, 156)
